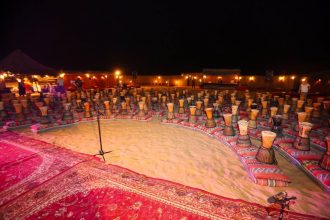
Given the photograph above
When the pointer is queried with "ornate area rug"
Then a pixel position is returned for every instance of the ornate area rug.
(39, 180)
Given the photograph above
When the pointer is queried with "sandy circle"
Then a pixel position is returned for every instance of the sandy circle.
(187, 157)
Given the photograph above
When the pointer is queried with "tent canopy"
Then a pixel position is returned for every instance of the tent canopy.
(20, 63)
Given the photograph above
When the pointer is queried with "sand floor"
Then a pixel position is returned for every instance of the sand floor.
(187, 157)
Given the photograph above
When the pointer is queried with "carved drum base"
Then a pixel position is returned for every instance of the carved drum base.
(141, 113)
(210, 123)
(266, 155)
(170, 115)
(87, 114)
(216, 114)
(198, 112)
(192, 119)
(243, 141)
(278, 131)
(67, 116)
(228, 131)
(234, 118)
(301, 143)
(45, 120)
(181, 110)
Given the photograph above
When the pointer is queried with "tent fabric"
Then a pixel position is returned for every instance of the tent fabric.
(20, 63)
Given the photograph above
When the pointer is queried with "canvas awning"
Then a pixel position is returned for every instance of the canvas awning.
(20, 63)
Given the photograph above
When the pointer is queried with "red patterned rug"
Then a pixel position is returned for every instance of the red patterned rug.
(39, 180)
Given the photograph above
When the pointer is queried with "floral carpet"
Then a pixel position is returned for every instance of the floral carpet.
(39, 180)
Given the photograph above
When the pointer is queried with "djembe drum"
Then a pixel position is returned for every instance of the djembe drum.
(19, 117)
(181, 106)
(243, 139)
(253, 118)
(249, 104)
(301, 118)
(300, 104)
(302, 141)
(280, 105)
(107, 111)
(325, 161)
(79, 107)
(192, 114)
(294, 102)
(234, 113)
(44, 115)
(123, 108)
(128, 104)
(273, 112)
(210, 123)
(285, 114)
(67, 114)
(220, 100)
(87, 110)
(170, 112)
(25, 106)
(199, 108)
(206, 103)
(287, 99)
(233, 99)
(141, 112)
(228, 130)
(302, 97)
(164, 101)
(316, 110)
(309, 111)
(216, 110)
(238, 102)
(266, 152)
(172, 97)
(264, 110)
(277, 125)
(309, 102)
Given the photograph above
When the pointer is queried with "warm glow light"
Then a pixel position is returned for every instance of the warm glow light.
(281, 78)
(236, 77)
(106, 76)
(293, 77)
(2, 77)
(34, 76)
(94, 77)
(46, 76)
(120, 77)
(120, 81)
(130, 81)
(166, 82)
(303, 79)
(251, 78)
(204, 76)
(62, 75)
(87, 75)
(176, 82)
(195, 77)
(117, 72)
(102, 77)
(200, 80)
(159, 77)
(186, 77)
(219, 77)
(240, 77)
(18, 80)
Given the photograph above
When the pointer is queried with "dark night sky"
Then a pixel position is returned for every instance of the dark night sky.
(169, 37)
